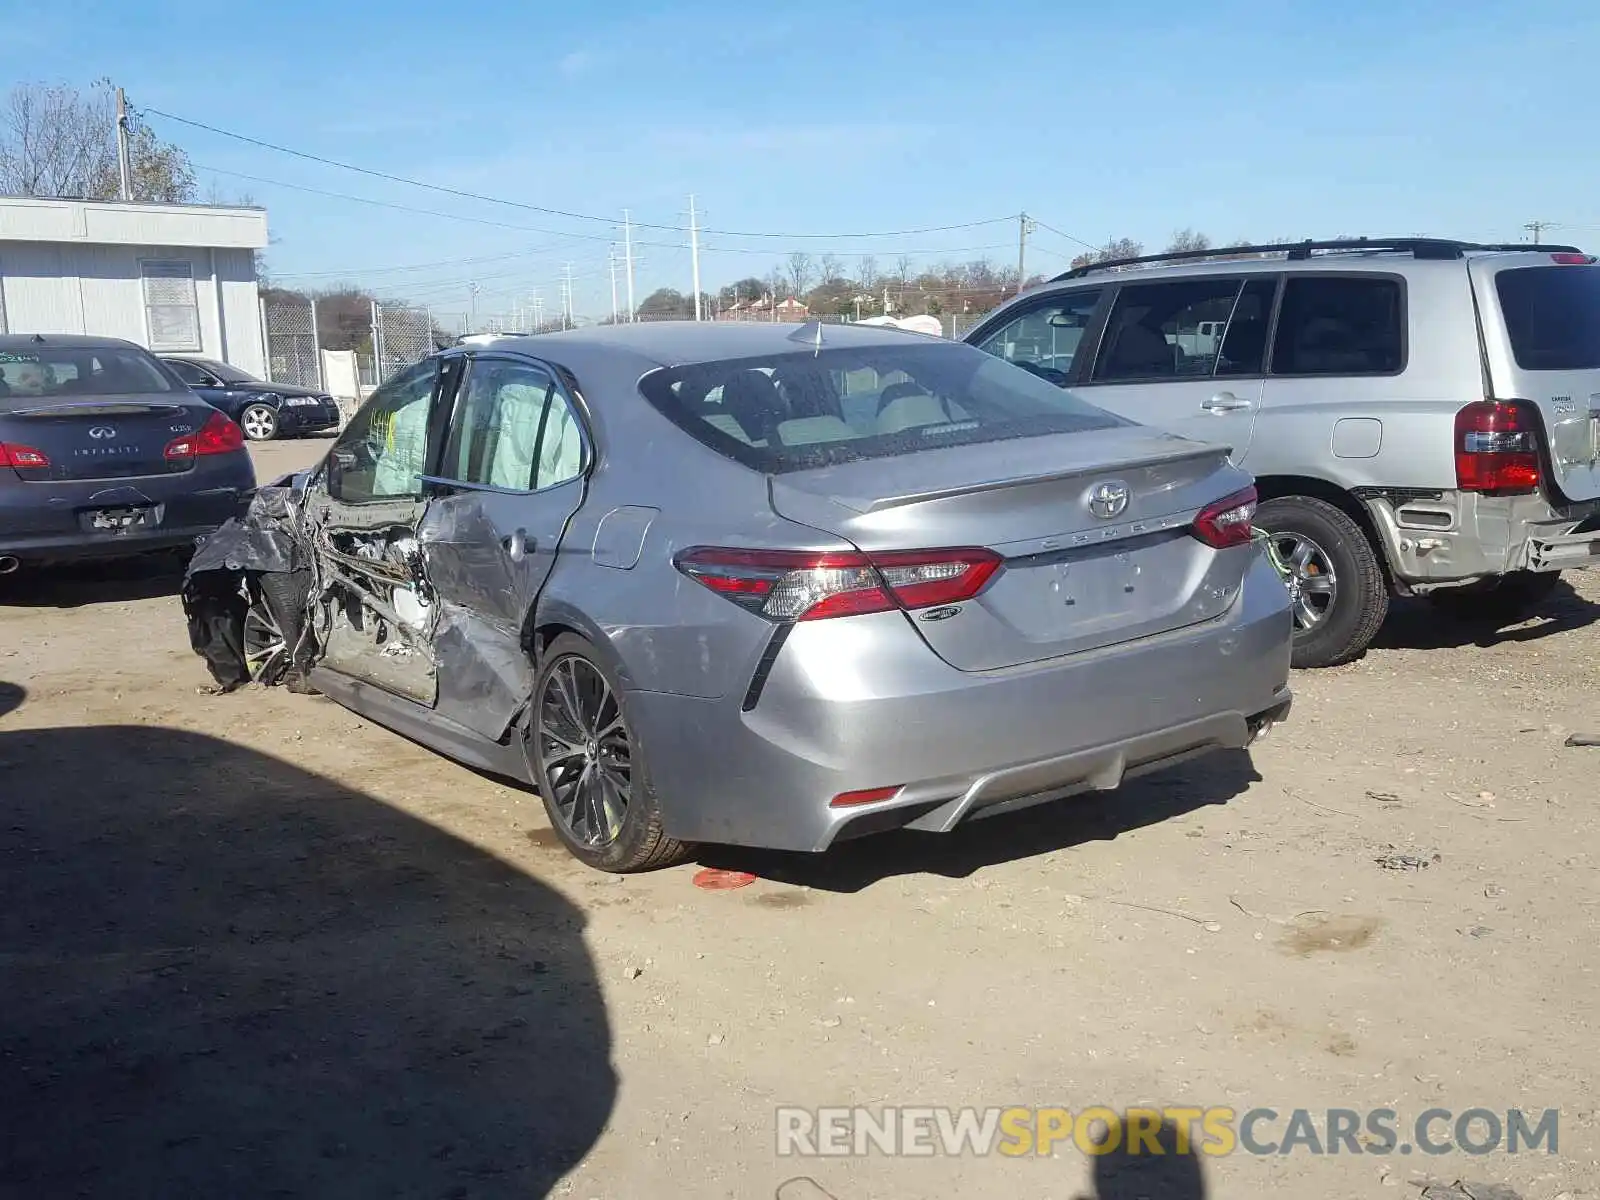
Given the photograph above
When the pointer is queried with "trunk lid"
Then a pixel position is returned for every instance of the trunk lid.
(102, 438)
(1074, 579)
(1541, 331)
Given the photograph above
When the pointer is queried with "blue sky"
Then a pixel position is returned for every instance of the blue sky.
(1239, 118)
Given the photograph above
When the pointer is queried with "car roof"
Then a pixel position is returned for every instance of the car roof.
(76, 341)
(1338, 261)
(674, 343)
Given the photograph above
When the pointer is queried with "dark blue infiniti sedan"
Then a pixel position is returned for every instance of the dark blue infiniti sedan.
(105, 454)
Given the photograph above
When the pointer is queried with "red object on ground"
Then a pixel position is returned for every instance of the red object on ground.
(713, 879)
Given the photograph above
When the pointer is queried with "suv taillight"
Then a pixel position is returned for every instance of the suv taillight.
(790, 585)
(1497, 448)
(218, 435)
(1228, 522)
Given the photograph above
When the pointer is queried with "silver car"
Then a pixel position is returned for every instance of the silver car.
(1422, 417)
(763, 585)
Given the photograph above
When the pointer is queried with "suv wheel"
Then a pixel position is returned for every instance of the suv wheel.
(1500, 601)
(589, 767)
(1336, 587)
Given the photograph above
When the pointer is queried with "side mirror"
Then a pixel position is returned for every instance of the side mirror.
(339, 461)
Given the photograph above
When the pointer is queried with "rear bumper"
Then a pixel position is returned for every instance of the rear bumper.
(44, 521)
(870, 707)
(1462, 537)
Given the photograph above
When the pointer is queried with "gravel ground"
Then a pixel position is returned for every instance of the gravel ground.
(254, 945)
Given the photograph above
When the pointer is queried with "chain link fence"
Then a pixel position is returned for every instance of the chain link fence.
(400, 336)
(289, 329)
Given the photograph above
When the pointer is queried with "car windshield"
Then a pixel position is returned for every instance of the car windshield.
(808, 409)
(77, 371)
(1552, 316)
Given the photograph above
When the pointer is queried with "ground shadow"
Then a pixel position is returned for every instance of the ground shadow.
(1173, 1174)
(226, 976)
(1415, 624)
(11, 697)
(1096, 816)
(75, 584)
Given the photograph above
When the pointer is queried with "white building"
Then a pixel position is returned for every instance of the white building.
(173, 277)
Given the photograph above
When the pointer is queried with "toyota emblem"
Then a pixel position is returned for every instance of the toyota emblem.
(1108, 500)
(103, 432)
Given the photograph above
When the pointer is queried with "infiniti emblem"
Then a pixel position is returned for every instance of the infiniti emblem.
(102, 432)
(1107, 500)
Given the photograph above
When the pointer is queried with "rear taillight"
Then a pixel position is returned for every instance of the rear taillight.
(1497, 448)
(24, 458)
(1567, 259)
(790, 585)
(1227, 522)
(218, 435)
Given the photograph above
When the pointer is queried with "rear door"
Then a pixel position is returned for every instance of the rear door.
(509, 479)
(1186, 355)
(1545, 348)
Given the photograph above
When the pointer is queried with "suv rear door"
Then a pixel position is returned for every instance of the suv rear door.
(1544, 348)
(1155, 366)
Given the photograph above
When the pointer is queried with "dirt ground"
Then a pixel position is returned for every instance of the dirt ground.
(256, 946)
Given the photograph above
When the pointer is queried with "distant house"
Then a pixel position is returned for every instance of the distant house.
(761, 310)
(174, 277)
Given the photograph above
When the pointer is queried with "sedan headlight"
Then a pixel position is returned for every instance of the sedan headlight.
(301, 401)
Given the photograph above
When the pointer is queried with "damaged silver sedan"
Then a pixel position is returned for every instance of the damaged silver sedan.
(758, 585)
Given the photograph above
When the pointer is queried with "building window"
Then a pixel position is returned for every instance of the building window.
(171, 310)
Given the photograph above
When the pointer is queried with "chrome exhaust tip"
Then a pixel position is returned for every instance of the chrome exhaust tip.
(8, 564)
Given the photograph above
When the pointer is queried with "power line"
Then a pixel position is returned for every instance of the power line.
(554, 212)
(1069, 237)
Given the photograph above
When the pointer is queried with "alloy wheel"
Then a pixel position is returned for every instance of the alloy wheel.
(1312, 582)
(258, 424)
(266, 649)
(584, 751)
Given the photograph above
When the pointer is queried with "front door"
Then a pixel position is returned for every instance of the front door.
(1186, 355)
(509, 479)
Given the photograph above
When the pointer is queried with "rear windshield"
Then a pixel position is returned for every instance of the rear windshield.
(790, 412)
(1553, 316)
(46, 372)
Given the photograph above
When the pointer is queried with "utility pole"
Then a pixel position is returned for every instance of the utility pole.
(1536, 228)
(124, 155)
(1025, 226)
(627, 249)
(611, 264)
(538, 311)
(472, 289)
(694, 255)
(567, 291)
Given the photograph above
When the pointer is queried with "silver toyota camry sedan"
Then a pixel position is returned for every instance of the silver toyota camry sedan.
(759, 584)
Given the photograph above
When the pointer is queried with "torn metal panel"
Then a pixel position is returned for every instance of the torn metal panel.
(224, 585)
(489, 675)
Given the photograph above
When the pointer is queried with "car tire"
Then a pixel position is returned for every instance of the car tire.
(571, 673)
(259, 422)
(1337, 586)
(1499, 601)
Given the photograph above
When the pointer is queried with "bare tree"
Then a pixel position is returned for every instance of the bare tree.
(1188, 239)
(867, 272)
(830, 267)
(799, 271)
(776, 284)
(903, 269)
(1116, 248)
(56, 141)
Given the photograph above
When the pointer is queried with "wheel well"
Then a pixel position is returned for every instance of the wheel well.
(537, 637)
(1275, 487)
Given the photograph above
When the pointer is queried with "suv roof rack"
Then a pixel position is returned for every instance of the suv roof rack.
(1419, 247)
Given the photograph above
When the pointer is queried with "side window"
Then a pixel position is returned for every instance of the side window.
(188, 372)
(1242, 341)
(1340, 325)
(1154, 332)
(512, 429)
(383, 450)
(1045, 338)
